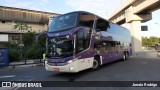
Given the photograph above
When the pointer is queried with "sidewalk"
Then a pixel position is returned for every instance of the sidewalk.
(29, 63)
(22, 66)
(153, 54)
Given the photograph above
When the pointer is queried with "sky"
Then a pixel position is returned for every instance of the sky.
(102, 8)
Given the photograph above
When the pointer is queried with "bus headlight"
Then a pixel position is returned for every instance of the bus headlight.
(67, 36)
(70, 61)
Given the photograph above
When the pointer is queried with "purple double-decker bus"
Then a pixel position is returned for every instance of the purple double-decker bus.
(81, 40)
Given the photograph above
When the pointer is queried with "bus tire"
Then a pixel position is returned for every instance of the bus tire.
(96, 64)
(127, 55)
(124, 57)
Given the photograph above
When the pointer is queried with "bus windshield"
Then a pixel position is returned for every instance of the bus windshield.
(63, 22)
(59, 47)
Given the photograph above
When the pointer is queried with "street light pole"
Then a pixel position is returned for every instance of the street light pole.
(121, 1)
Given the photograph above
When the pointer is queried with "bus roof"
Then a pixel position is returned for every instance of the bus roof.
(83, 12)
(92, 14)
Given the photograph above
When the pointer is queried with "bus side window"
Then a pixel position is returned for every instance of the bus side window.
(113, 45)
(80, 37)
(97, 45)
(87, 20)
(109, 45)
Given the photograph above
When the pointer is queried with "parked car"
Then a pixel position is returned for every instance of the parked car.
(157, 46)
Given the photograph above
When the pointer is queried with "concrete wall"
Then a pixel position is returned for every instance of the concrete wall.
(5, 27)
(37, 20)
(8, 26)
(24, 15)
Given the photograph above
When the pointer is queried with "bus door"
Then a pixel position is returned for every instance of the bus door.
(81, 47)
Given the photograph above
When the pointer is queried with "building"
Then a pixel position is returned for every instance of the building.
(37, 20)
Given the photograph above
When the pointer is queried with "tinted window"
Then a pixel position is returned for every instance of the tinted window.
(102, 25)
(63, 22)
(86, 20)
(59, 47)
(83, 40)
(118, 30)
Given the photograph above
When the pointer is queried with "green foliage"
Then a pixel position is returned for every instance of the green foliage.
(22, 26)
(151, 41)
(15, 52)
(35, 52)
(32, 50)
(15, 55)
(32, 53)
(42, 41)
(10, 44)
(28, 39)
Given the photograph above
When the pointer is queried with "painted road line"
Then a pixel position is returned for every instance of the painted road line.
(6, 88)
(8, 76)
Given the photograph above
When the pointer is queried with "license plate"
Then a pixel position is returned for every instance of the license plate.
(56, 69)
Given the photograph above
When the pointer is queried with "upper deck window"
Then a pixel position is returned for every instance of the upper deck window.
(87, 20)
(63, 22)
(102, 25)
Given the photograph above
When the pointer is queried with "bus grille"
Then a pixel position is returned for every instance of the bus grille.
(57, 64)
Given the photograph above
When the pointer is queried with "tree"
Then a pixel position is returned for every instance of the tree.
(151, 41)
(154, 40)
(144, 41)
(42, 41)
(28, 39)
(22, 26)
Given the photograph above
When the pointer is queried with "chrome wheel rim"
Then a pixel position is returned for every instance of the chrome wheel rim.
(95, 64)
(124, 57)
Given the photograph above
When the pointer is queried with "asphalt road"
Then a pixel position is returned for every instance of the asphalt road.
(133, 69)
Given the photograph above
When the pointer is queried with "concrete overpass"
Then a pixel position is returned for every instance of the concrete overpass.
(135, 12)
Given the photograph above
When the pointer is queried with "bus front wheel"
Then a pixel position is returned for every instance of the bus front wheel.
(96, 64)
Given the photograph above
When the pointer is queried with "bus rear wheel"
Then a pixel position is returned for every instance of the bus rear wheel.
(127, 55)
(124, 56)
(96, 64)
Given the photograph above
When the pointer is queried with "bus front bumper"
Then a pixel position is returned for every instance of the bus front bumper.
(71, 67)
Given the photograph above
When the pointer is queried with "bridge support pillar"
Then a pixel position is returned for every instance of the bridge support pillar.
(135, 21)
(136, 37)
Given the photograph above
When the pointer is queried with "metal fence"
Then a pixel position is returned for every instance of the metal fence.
(4, 57)
(23, 56)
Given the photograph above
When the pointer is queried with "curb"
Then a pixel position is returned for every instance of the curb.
(157, 58)
(22, 66)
